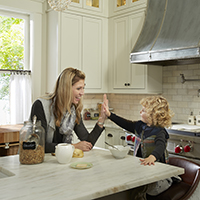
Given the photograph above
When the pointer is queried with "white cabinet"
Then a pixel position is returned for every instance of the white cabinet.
(75, 138)
(95, 7)
(80, 43)
(101, 140)
(124, 74)
(92, 52)
(88, 4)
(126, 77)
(118, 7)
(114, 136)
(81, 47)
(99, 43)
(70, 41)
(99, 143)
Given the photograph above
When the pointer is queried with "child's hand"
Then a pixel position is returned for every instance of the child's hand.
(148, 161)
(105, 106)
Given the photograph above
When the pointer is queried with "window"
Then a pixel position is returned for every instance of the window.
(14, 55)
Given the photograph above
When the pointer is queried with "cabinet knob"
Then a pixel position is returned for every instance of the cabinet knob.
(122, 137)
(128, 84)
(110, 135)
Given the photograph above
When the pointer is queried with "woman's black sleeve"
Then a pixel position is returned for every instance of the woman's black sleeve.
(37, 109)
(84, 135)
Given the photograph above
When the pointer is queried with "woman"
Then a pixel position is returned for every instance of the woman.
(60, 113)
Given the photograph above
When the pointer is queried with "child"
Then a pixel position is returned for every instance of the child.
(151, 133)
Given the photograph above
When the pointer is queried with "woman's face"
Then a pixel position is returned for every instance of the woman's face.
(144, 116)
(78, 91)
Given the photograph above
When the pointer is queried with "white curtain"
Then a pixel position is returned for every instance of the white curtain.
(20, 97)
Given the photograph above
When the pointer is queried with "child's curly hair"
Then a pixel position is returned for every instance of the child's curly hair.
(158, 112)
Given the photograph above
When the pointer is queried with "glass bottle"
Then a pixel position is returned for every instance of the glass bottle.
(32, 142)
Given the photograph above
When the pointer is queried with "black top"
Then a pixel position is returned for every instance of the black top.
(79, 129)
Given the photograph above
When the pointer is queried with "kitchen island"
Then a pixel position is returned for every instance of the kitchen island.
(51, 180)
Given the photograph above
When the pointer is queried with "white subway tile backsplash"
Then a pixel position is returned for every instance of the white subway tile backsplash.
(172, 79)
(177, 98)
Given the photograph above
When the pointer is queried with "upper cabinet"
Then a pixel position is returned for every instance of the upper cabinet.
(81, 47)
(124, 6)
(125, 77)
(80, 41)
(89, 4)
(96, 7)
(88, 37)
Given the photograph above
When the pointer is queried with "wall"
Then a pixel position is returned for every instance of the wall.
(182, 97)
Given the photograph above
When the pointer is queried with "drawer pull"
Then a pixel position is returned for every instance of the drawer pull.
(122, 137)
(110, 135)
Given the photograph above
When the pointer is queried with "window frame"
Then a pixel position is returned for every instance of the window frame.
(26, 34)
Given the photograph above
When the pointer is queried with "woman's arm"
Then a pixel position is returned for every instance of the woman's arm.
(37, 109)
(84, 135)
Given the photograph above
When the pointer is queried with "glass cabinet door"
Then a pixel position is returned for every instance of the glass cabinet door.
(76, 3)
(92, 3)
(121, 3)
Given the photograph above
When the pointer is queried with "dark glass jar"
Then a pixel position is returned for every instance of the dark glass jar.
(32, 142)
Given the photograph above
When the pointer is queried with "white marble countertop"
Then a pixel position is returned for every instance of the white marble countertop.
(51, 180)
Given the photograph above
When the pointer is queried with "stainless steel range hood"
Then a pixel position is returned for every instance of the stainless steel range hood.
(170, 34)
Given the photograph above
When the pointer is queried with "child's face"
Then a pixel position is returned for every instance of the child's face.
(144, 116)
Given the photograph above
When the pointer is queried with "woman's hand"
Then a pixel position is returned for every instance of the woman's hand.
(148, 161)
(83, 145)
(105, 106)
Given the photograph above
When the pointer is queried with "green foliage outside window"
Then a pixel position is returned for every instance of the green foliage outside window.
(11, 50)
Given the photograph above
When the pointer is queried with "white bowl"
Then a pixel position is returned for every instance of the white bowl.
(121, 152)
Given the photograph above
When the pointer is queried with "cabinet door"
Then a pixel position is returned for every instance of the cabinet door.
(92, 52)
(137, 70)
(76, 3)
(115, 136)
(101, 141)
(120, 4)
(126, 75)
(71, 41)
(121, 54)
(94, 5)
(75, 138)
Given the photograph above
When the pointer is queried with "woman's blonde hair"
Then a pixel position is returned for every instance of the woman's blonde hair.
(158, 112)
(62, 95)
